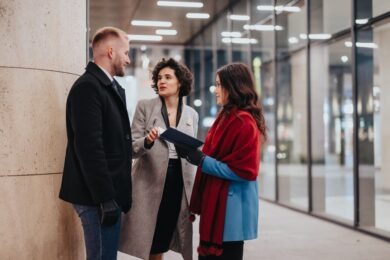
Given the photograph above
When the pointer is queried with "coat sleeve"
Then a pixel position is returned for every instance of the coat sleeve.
(219, 169)
(87, 121)
(138, 129)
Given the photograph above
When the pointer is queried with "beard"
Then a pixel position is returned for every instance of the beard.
(118, 70)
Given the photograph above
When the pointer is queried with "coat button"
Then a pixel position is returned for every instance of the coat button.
(127, 137)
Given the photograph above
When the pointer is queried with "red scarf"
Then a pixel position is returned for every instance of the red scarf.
(235, 140)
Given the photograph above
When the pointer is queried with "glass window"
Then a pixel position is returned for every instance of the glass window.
(264, 47)
(291, 107)
(367, 9)
(207, 97)
(332, 128)
(372, 62)
(263, 70)
(264, 76)
(328, 17)
(223, 48)
(379, 6)
(240, 50)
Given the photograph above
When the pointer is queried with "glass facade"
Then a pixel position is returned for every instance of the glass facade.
(320, 69)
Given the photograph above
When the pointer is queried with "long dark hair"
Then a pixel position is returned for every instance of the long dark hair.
(237, 80)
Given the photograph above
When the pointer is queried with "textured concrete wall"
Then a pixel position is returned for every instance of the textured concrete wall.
(42, 53)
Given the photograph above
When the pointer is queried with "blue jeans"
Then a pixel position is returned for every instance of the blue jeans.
(101, 242)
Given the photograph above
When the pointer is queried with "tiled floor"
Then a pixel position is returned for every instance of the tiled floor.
(286, 234)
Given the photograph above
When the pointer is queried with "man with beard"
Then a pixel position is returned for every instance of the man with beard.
(96, 177)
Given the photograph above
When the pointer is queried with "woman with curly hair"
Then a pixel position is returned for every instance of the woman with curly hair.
(225, 193)
(162, 182)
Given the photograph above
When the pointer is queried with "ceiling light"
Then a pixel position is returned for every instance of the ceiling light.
(279, 8)
(265, 7)
(197, 15)
(212, 88)
(139, 37)
(166, 32)
(240, 40)
(151, 23)
(237, 17)
(292, 9)
(263, 27)
(316, 36)
(348, 44)
(180, 4)
(293, 40)
(278, 28)
(208, 121)
(370, 45)
(344, 58)
(197, 102)
(320, 36)
(231, 34)
(361, 21)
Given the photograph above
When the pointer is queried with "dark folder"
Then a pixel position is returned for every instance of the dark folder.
(179, 138)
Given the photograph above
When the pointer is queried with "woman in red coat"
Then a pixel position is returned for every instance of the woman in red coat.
(225, 193)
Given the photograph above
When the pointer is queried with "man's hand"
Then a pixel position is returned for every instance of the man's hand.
(109, 213)
(193, 156)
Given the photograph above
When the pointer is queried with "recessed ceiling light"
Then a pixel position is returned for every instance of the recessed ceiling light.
(320, 36)
(344, 59)
(139, 37)
(279, 8)
(237, 17)
(361, 21)
(151, 23)
(231, 34)
(197, 102)
(265, 7)
(370, 45)
(166, 32)
(293, 9)
(198, 15)
(263, 27)
(240, 40)
(293, 40)
(180, 4)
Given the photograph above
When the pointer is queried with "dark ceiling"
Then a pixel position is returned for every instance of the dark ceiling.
(119, 13)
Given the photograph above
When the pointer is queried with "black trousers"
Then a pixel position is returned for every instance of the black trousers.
(231, 251)
(169, 210)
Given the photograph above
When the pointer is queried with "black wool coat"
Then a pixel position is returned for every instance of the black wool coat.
(99, 151)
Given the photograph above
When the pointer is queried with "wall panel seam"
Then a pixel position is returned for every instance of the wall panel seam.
(38, 69)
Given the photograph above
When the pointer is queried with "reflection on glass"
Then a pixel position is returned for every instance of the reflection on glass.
(263, 71)
(373, 129)
(292, 107)
(367, 9)
(329, 16)
(332, 129)
(264, 81)
(240, 46)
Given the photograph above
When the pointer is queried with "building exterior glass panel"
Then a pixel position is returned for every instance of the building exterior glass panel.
(320, 68)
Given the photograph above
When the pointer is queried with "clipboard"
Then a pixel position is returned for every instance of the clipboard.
(174, 136)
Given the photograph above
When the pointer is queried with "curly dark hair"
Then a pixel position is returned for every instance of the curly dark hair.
(237, 80)
(182, 73)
